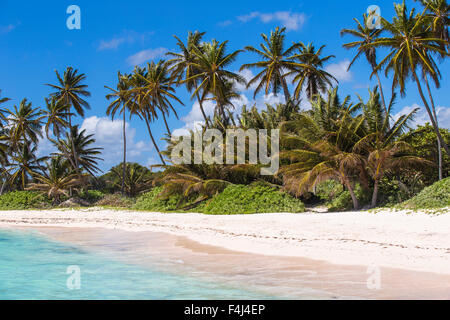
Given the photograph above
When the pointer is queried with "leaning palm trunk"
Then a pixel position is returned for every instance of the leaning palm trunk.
(124, 153)
(437, 124)
(352, 193)
(167, 126)
(287, 95)
(153, 139)
(200, 103)
(383, 100)
(375, 193)
(430, 114)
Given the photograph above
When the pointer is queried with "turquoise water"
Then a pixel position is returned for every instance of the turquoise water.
(33, 267)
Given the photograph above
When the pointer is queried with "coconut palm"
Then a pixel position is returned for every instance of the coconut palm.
(410, 37)
(121, 102)
(181, 65)
(71, 91)
(24, 165)
(143, 109)
(23, 123)
(438, 12)
(87, 156)
(57, 181)
(276, 61)
(366, 36)
(159, 91)
(56, 115)
(384, 152)
(309, 73)
(211, 63)
(137, 178)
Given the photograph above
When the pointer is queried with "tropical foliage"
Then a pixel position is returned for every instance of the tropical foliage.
(336, 150)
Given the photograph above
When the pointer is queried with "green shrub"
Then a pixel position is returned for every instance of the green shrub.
(433, 197)
(91, 195)
(337, 198)
(152, 202)
(23, 200)
(240, 199)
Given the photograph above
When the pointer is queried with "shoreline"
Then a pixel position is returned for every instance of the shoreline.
(415, 242)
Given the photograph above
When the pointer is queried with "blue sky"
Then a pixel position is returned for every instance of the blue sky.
(116, 35)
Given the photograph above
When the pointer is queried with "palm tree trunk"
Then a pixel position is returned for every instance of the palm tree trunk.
(430, 114)
(287, 95)
(165, 122)
(124, 172)
(375, 193)
(352, 194)
(200, 103)
(383, 100)
(74, 152)
(437, 123)
(153, 139)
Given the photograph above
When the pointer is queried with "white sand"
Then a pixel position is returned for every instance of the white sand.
(387, 239)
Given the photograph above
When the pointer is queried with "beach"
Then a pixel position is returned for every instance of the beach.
(333, 252)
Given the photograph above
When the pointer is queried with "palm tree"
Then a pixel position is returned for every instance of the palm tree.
(318, 146)
(158, 90)
(211, 63)
(366, 36)
(181, 65)
(56, 115)
(71, 90)
(309, 71)
(24, 124)
(87, 156)
(57, 181)
(144, 106)
(410, 39)
(438, 12)
(276, 61)
(23, 165)
(137, 178)
(384, 152)
(121, 102)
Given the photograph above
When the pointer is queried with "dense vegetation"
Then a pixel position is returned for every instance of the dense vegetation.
(435, 196)
(341, 152)
(22, 200)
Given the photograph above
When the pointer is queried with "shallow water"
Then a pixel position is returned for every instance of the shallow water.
(34, 267)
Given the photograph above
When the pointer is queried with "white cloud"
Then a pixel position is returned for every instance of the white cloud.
(127, 36)
(145, 55)
(108, 135)
(290, 20)
(443, 115)
(340, 71)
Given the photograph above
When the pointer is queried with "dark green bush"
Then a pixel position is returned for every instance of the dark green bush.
(91, 195)
(23, 200)
(433, 197)
(240, 199)
(337, 198)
